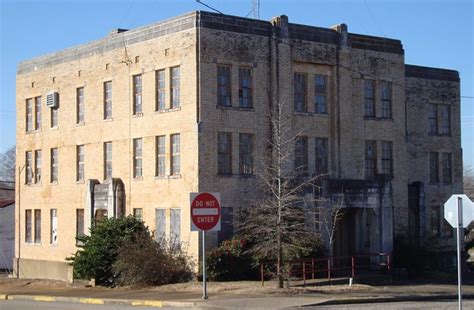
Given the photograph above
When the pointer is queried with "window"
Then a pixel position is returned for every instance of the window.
(175, 157)
(386, 97)
(138, 213)
(137, 158)
(300, 86)
(175, 87)
(54, 117)
(80, 156)
(445, 116)
(79, 224)
(433, 118)
(160, 90)
(137, 94)
(223, 86)
(160, 225)
(80, 105)
(54, 165)
(38, 161)
(387, 158)
(53, 233)
(447, 171)
(301, 154)
(321, 153)
(28, 226)
(108, 100)
(160, 156)
(245, 87)
(320, 94)
(369, 98)
(224, 153)
(37, 226)
(227, 225)
(435, 221)
(175, 228)
(446, 229)
(434, 168)
(29, 115)
(370, 159)
(29, 167)
(245, 153)
(107, 160)
(38, 113)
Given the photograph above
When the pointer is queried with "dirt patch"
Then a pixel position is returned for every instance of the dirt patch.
(31, 283)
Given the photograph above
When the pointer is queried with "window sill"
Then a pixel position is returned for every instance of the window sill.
(167, 177)
(108, 119)
(440, 134)
(32, 131)
(54, 128)
(53, 183)
(80, 124)
(33, 243)
(222, 107)
(168, 110)
(310, 114)
(54, 245)
(36, 184)
(137, 178)
(374, 118)
(80, 182)
(137, 115)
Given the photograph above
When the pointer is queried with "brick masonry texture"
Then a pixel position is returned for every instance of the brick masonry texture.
(198, 42)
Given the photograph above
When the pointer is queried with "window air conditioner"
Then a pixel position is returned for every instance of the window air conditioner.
(52, 100)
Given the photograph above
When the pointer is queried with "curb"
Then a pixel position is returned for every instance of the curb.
(392, 299)
(101, 301)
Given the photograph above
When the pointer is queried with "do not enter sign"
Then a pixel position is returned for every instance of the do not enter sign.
(205, 211)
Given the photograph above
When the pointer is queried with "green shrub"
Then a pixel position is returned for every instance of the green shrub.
(100, 249)
(144, 262)
(231, 262)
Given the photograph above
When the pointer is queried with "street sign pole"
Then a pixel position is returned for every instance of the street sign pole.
(460, 229)
(204, 286)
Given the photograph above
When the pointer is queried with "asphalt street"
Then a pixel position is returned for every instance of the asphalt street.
(448, 305)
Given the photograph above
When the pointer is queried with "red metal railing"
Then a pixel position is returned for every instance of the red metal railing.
(333, 266)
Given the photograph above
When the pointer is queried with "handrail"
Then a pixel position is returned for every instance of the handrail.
(309, 266)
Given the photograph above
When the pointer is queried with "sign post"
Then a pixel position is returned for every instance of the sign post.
(459, 213)
(205, 216)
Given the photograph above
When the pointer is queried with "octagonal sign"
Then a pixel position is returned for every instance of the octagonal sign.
(451, 210)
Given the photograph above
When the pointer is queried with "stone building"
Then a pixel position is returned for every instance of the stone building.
(134, 122)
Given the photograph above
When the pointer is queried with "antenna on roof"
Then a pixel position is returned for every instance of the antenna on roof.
(255, 11)
(210, 7)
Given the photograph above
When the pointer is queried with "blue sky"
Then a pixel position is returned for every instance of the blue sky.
(436, 33)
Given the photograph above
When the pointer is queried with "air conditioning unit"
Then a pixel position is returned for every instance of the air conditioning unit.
(52, 100)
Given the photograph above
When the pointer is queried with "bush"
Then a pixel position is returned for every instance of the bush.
(410, 255)
(143, 262)
(231, 262)
(100, 249)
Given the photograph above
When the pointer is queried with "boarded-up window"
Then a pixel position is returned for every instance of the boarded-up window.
(28, 226)
(53, 233)
(160, 225)
(224, 153)
(175, 228)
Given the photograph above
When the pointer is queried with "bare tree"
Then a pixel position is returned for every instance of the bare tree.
(279, 224)
(7, 165)
(330, 213)
(469, 181)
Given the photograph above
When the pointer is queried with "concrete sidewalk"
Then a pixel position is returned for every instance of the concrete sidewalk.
(235, 296)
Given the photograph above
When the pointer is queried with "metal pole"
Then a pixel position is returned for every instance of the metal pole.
(204, 286)
(459, 251)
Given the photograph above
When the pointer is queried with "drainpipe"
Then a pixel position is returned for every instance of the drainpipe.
(20, 169)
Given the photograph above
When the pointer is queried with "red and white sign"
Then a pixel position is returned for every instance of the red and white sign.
(205, 211)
